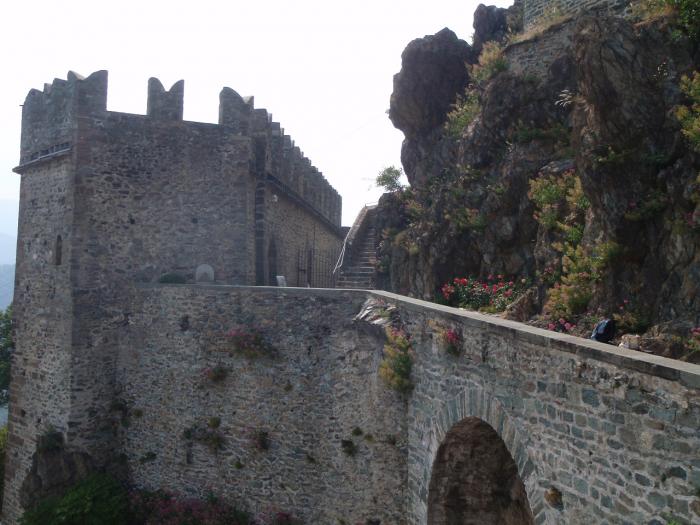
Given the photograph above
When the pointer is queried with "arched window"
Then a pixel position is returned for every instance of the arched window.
(58, 251)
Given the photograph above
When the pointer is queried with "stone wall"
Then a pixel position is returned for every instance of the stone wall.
(305, 249)
(319, 386)
(615, 432)
(41, 366)
(535, 56)
(544, 11)
(597, 433)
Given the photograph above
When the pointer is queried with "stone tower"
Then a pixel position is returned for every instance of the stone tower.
(113, 201)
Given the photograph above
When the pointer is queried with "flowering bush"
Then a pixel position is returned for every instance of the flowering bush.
(493, 295)
(163, 508)
(629, 319)
(561, 325)
(249, 342)
(452, 340)
(395, 368)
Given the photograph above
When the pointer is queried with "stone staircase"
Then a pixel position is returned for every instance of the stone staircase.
(359, 265)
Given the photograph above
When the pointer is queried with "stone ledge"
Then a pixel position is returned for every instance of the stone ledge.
(687, 374)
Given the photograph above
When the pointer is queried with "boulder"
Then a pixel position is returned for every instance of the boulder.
(433, 74)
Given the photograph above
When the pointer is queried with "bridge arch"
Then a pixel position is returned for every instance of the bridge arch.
(473, 410)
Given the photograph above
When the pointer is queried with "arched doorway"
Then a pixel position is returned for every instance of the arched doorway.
(475, 480)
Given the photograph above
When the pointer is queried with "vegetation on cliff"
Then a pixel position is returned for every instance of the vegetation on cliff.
(577, 170)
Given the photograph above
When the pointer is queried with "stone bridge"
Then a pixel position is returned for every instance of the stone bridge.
(520, 426)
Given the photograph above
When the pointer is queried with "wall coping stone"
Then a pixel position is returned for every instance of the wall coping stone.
(671, 369)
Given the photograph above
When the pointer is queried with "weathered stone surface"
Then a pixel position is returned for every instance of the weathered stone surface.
(432, 75)
(109, 199)
(593, 98)
(490, 23)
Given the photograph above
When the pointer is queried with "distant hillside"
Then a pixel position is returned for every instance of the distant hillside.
(8, 247)
(7, 283)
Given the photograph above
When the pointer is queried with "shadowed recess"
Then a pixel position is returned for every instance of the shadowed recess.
(475, 480)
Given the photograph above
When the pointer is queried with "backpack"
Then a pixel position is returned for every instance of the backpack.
(604, 331)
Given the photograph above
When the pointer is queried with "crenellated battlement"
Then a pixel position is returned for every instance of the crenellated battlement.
(50, 120)
(49, 116)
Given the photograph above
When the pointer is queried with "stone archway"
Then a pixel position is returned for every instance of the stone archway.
(475, 480)
(431, 433)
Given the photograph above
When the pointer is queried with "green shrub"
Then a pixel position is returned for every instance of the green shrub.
(689, 116)
(97, 500)
(651, 205)
(395, 368)
(559, 201)
(581, 270)
(348, 446)
(389, 179)
(464, 112)
(492, 61)
(686, 12)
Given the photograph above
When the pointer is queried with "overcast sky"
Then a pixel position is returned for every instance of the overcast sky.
(323, 69)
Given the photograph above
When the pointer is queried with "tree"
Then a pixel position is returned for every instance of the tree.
(388, 179)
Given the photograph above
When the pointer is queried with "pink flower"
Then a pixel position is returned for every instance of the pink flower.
(568, 326)
(551, 326)
(562, 320)
(447, 291)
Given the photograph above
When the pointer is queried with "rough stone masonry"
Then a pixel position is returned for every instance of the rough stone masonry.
(116, 372)
(111, 199)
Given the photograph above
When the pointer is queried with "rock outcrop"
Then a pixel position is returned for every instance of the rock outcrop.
(598, 127)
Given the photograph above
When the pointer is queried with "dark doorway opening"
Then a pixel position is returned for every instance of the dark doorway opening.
(475, 480)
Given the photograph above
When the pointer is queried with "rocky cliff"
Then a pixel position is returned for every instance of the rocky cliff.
(557, 159)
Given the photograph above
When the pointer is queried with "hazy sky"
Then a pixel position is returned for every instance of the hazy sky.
(323, 69)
